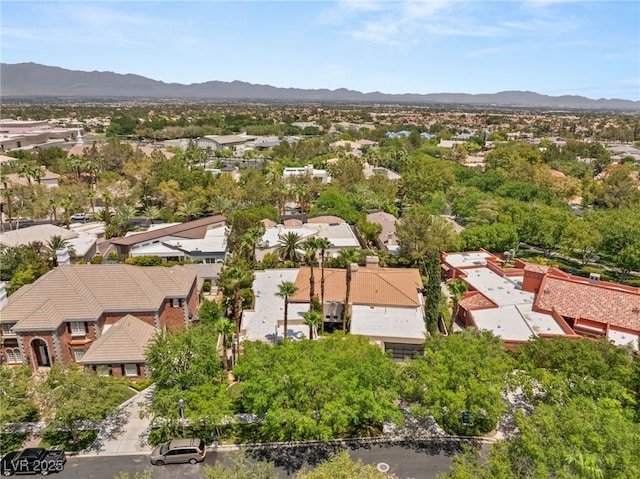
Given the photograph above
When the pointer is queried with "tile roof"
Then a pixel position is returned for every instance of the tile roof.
(190, 229)
(85, 292)
(124, 342)
(369, 286)
(595, 302)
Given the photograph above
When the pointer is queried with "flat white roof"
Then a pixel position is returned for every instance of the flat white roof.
(501, 290)
(474, 258)
(620, 338)
(514, 318)
(341, 235)
(386, 322)
(260, 323)
(516, 322)
(156, 249)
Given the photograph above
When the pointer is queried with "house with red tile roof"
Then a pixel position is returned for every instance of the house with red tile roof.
(386, 305)
(102, 316)
(528, 300)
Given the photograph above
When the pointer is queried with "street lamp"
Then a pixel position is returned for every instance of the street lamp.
(181, 405)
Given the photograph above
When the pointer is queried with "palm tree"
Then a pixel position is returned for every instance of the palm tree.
(91, 166)
(302, 193)
(53, 204)
(123, 216)
(151, 212)
(188, 210)
(323, 245)
(310, 246)
(38, 173)
(24, 171)
(286, 289)
(225, 327)
(347, 257)
(67, 205)
(288, 246)
(283, 190)
(75, 164)
(7, 194)
(312, 319)
(231, 280)
(106, 199)
(248, 243)
(55, 243)
(91, 196)
(457, 288)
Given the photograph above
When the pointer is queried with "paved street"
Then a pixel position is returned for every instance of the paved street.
(404, 462)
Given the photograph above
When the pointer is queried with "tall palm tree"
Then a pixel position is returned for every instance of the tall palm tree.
(91, 166)
(457, 288)
(310, 247)
(7, 194)
(302, 193)
(288, 246)
(347, 257)
(283, 189)
(232, 280)
(323, 245)
(67, 204)
(286, 289)
(124, 215)
(106, 200)
(91, 196)
(150, 213)
(24, 171)
(53, 204)
(312, 319)
(225, 327)
(248, 243)
(37, 174)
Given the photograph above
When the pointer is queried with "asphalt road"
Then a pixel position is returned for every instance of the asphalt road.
(405, 462)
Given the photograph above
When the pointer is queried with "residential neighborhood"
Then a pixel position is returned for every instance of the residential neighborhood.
(380, 243)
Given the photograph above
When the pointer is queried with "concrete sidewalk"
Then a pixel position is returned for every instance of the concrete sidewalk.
(124, 432)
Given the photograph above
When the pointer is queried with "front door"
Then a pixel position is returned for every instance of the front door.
(41, 352)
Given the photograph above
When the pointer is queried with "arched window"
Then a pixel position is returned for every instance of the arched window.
(13, 356)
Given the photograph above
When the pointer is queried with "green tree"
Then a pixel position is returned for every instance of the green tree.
(286, 289)
(72, 394)
(55, 243)
(457, 288)
(240, 466)
(150, 213)
(17, 393)
(323, 245)
(341, 398)
(341, 466)
(233, 280)
(460, 372)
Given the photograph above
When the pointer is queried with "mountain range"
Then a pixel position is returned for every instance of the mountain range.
(27, 80)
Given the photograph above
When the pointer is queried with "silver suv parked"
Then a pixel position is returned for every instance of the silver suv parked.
(178, 451)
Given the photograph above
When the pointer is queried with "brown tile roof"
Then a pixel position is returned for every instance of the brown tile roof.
(374, 286)
(124, 342)
(536, 268)
(85, 292)
(476, 300)
(579, 299)
(190, 229)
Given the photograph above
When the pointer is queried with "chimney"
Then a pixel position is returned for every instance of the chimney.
(353, 267)
(389, 237)
(594, 278)
(3, 295)
(62, 255)
(373, 262)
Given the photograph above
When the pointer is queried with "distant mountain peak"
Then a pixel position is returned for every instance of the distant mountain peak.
(34, 80)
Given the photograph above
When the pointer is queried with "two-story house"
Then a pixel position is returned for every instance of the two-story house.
(101, 316)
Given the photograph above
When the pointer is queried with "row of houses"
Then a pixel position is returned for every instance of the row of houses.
(103, 316)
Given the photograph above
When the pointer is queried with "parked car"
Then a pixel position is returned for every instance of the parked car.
(179, 451)
(26, 220)
(33, 460)
(79, 217)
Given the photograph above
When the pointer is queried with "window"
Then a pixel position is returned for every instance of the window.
(14, 356)
(78, 353)
(131, 369)
(6, 329)
(176, 302)
(78, 328)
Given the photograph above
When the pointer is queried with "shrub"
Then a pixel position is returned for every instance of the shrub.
(206, 286)
(97, 259)
(113, 256)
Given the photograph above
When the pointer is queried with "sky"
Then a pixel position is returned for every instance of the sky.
(553, 47)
